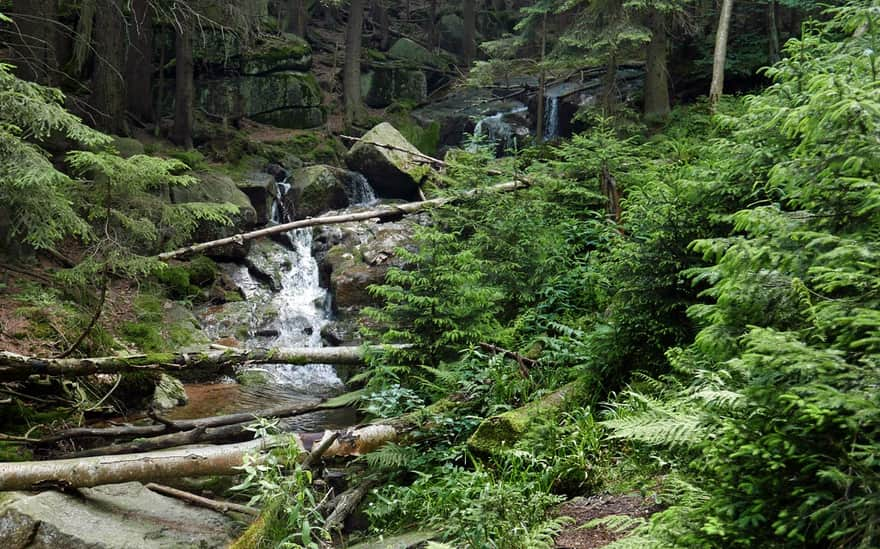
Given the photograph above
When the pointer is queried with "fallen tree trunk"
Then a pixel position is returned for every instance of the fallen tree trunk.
(15, 367)
(219, 506)
(391, 211)
(168, 426)
(193, 462)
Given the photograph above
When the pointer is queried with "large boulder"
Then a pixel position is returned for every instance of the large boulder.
(267, 260)
(315, 190)
(287, 53)
(109, 517)
(415, 54)
(287, 99)
(219, 188)
(385, 85)
(387, 160)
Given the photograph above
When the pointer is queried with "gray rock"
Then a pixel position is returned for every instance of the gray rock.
(287, 53)
(261, 190)
(315, 190)
(169, 393)
(117, 516)
(415, 54)
(383, 86)
(266, 260)
(391, 172)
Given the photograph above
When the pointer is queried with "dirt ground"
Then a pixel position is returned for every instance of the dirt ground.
(583, 510)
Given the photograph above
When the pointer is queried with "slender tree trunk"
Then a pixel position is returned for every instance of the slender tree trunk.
(184, 95)
(432, 24)
(351, 72)
(469, 14)
(33, 40)
(609, 85)
(108, 83)
(297, 17)
(542, 84)
(139, 62)
(380, 16)
(720, 56)
(773, 32)
(656, 82)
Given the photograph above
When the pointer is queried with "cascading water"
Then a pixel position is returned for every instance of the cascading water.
(551, 115)
(291, 317)
(496, 130)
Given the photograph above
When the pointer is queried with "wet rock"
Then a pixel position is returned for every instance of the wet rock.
(266, 260)
(341, 333)
(261, 190)
(383, 86)
(109, 517)
(219, 188)
(392, 172)
(315, 190)
(168, 394)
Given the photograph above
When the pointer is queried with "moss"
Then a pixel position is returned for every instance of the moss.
(14, 452)
(144, 335)
(232, 297)
(252, 537)
(202, 271)
(253, 378)
(194, 159)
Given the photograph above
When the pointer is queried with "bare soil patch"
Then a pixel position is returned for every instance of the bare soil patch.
(583, 510)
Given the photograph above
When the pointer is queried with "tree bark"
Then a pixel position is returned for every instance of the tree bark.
(219, 506)
(431, 29)
(720, 56)
(542, 84)
(33, 40)
(380, 16)
(385, 212)
(469, 15)
(656, 82)
(108, 84)
(351, 72)
(297, 17)
(184, 93)
(14, 366)
(773, 32)
(139, 62)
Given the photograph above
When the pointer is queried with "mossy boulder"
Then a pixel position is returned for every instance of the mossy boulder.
(262, 190)
(287, 99)
(219, 188)
(393, 172)
(315, 190)
(285, 53)
(385, 85)
(127, 147)
(500, 433)
(413, 53)
(169, 393)
(451, 31)
(266, 261)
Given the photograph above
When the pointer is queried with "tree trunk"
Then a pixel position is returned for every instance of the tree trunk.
(108, 84)
(33, 40)
(431, 28)
(351, 72)
(656, 83)
(391, 211)
(13, 366)
(380, 16)
(139, 62)
(184, 91)
(542, 84)
(469, 48)
(773, 32)
(297, 17)
(720, 56)
(609, 85)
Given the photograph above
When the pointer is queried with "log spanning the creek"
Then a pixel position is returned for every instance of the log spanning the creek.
(385, 212)
(15, 367)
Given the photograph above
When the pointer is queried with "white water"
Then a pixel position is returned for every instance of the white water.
(551, 115)
(494, 129)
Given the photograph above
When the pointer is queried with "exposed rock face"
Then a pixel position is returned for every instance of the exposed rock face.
(263, 262)
(215, 187)
(109, 517)
(168, 394)
(384, 85)
(286, 99)
(416, 54)
(261, 190)
(391, 172)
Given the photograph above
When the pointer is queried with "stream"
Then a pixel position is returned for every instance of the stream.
(292, 316)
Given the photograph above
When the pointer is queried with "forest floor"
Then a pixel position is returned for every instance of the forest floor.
(583, 510)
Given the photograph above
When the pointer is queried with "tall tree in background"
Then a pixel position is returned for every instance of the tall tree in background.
(108, 84)
(351, 72)
(720, 55)
(184, 94)
(139, 61)
(469, 15)
(431, 27)
(33, 37)
(297, 17)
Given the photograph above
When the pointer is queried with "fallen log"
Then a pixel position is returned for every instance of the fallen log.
(219, 506)
(345, 504)
(15, 367)
(172, 426)
(194, 462)
(390, 211)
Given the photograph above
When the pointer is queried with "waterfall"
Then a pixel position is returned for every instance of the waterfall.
(496, 130)
(358, 190)
(551, 115)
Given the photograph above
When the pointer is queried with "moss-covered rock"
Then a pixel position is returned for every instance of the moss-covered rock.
(499, 433)
(393, 172)
(315, 190)
(261, 190)
(415, 54)
(451, 31)
(285, 53)
(385, 85)
(127, 146)
(266, 261)
(169, 393)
